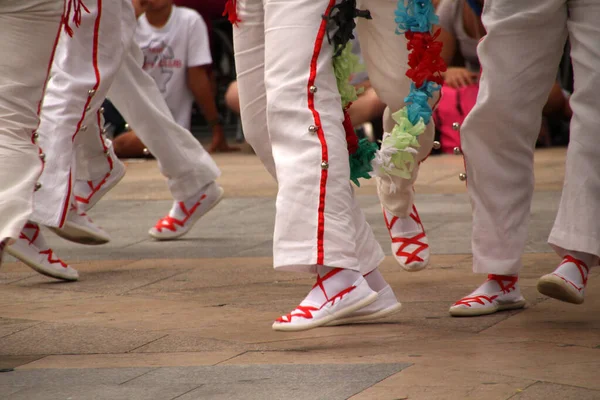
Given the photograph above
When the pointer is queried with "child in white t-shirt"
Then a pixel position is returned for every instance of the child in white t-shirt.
(176, 49)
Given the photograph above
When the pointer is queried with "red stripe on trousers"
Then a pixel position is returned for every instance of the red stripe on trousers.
(87, 103)
(320, 133)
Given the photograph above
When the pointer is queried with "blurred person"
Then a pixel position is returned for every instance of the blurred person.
(462, 29)
(176, 49)
(498, 140)
(29, 30)
(69, 116)
(80, 162)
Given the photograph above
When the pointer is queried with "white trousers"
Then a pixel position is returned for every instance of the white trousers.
(286, 84)
(181, 158)
(519, 58)
(28, 31)
(83, 70)
(81, 80)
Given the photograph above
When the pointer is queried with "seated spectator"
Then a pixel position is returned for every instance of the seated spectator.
(366, 109)
(462, 29)
(176, 50)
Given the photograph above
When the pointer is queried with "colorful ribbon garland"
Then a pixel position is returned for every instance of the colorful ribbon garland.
(414, 19)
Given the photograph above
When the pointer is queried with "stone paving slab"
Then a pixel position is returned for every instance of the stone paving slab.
(327, 382)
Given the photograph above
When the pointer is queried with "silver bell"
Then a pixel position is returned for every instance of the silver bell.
(462, 176)
(457, 151)
(455, 126)
(313, 129)
(324, 165)
(313, 89)
(436, 145)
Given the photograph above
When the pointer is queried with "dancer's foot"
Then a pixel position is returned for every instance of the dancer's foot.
(32, 249)
(498, 293)
(88, 193)
(385, 305)
(567, 282)
(184, 214)
(80, 228)
(337, 293)
(409, 241)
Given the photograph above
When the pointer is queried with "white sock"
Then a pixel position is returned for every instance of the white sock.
(332, 281)
(574, 273)
(405, 225)
(189, 203)
(590, 260)
(376, 280)
(492, 286)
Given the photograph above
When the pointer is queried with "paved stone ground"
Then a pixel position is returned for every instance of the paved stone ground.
(190, 319)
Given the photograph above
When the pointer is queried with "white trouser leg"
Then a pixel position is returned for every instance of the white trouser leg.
(28, 29)
(181, 158)
(249, 46)
(295, 233)
(499, 135)
(83, 70)
(577, 225)
(386, 58)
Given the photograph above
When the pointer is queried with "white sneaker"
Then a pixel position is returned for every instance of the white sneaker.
(308, 315)
(80, 228)
(409, 241)
(31, 248)
(385, 305)
(567, 282)
(498, 293)
(88, 193)
(182, 218)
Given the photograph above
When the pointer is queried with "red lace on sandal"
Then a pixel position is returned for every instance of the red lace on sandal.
(48, 252)
(95, 189)
(35, 235)
(51, 259)
(581, 266)
(480, 299)
(171, 223)
(305, 311)
(407, 241)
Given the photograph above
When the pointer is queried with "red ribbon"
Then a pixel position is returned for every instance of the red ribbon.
(231, 12)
